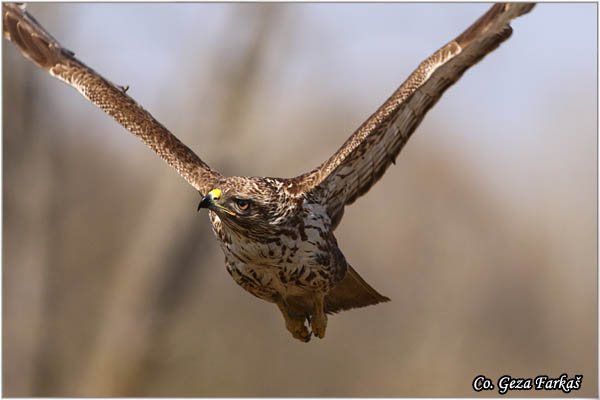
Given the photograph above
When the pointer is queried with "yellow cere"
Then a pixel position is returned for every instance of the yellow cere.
(215, 193)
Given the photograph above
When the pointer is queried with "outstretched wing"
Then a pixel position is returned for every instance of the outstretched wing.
(43, 50)
(365, 156)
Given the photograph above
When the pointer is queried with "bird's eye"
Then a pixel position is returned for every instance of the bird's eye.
(242, 204)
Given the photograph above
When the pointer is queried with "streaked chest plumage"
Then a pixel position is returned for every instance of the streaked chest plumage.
(297, 255)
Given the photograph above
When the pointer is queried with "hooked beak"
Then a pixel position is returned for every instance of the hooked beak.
(206, 202)
(210, 201)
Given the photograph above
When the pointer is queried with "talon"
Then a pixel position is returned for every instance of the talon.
(303, 335)
(319, 318)
(319, 334)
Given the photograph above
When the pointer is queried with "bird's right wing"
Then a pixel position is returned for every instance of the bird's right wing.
(44, 51)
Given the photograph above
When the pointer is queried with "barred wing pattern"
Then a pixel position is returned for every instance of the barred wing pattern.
(366, 155)
(43, 50)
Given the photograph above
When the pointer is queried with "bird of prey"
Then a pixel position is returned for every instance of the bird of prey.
(278, 233)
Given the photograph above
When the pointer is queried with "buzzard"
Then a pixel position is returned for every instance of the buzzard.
(278, 233)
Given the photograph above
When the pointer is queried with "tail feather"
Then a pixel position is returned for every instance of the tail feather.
(352, 292)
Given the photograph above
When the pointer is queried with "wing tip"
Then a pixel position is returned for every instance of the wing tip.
(496, 18)
(32, 40)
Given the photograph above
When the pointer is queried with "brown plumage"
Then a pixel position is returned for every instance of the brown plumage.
(277, 233)
(43, 50)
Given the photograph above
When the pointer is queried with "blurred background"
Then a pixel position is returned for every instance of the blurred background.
(483, 235)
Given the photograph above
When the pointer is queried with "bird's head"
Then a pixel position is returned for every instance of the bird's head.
(255, 204)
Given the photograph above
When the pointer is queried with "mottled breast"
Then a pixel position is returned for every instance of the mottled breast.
(294, 257)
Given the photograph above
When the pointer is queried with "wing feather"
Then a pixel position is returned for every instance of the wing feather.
(36, 44)
(364, 157)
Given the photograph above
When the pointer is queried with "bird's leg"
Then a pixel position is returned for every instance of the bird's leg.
(318, 321)
(295, 324)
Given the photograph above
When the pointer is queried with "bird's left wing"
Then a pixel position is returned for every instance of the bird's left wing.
(44, 51)
(365, 156)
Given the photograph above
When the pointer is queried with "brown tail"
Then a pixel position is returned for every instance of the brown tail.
(351, 292)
